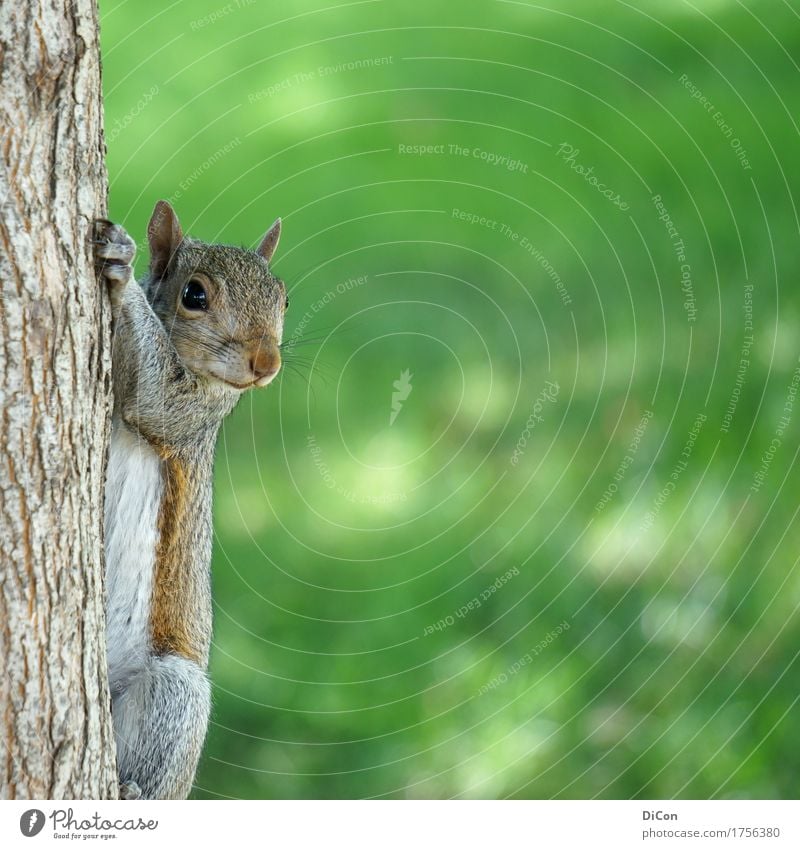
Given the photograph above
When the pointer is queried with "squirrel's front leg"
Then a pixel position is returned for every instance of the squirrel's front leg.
(145, 360)
(114, 251)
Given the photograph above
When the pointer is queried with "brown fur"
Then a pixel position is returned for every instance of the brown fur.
(176, 626)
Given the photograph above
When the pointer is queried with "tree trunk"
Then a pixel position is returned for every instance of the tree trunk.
(56, 739)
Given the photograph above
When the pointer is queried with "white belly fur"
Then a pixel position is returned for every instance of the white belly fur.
(134, 487)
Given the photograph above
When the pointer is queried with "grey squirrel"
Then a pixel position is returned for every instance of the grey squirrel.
(203, 326)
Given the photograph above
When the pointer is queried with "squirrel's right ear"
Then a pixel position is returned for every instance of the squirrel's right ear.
(164, 234)
(270, 242)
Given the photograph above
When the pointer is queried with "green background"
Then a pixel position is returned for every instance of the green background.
(341, 538)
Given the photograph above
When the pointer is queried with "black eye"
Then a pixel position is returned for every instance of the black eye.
(194, 296)
(286, 306)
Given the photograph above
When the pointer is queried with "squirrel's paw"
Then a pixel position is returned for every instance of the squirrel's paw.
(114, 251)
(130, 789)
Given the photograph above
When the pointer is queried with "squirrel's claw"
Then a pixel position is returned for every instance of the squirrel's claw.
(130, 790)
(114, 251)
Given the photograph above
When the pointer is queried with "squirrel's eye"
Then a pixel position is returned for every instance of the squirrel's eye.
(194, 296)
(286, 305)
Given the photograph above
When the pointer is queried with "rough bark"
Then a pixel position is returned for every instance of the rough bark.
(56, 739)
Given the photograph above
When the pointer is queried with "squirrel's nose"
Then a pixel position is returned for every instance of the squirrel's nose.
(265, 364)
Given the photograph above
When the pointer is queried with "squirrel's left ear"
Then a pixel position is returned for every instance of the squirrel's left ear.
(164, 234)
(270, 241)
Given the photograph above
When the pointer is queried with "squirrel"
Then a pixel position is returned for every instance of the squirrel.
(202, 327)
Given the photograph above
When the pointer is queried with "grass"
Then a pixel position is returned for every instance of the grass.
(341, 538)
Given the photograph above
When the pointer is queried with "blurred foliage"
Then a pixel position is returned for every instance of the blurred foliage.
(341, 540)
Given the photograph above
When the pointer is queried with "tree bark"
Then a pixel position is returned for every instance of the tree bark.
(56, 738)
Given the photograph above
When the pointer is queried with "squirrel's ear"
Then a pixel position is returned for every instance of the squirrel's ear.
(270, 241)
(164, 235)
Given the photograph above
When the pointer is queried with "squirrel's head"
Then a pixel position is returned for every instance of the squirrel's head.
(221, 305)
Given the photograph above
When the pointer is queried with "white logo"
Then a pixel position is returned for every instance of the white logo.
(403, 390)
